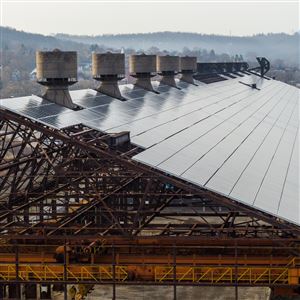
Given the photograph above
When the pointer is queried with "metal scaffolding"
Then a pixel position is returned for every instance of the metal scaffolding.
(71, 188)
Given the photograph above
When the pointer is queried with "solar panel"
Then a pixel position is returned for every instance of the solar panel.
(19, 103)
(38, 112)
(164, 88)
(246, 151)
(135, 93)
(58, 121)
(70, 118)
(226, 136)
(90, 98)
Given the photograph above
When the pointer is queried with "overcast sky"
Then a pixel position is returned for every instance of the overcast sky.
(99, 17)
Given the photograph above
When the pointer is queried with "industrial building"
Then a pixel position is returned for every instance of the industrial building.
(191, 180)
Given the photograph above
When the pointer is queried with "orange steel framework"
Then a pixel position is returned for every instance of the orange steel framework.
(119, 222)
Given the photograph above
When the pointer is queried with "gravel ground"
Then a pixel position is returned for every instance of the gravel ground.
(183, 293)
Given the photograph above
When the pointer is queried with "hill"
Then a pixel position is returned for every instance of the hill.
(274, 46)
(13, 38)
(18, 53)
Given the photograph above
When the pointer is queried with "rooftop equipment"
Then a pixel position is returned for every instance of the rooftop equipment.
(188, 66)
(237, 66)
(168, 67)
(244, 66)
(109, 68)
(220, 67)
(206, 68)
(119, 139)
(264, 66)
(143, 67)
(56, 70)
(229, 67)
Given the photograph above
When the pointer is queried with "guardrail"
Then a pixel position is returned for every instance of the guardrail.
(156, 274)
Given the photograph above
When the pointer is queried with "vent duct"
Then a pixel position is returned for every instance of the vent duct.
(143, 67)
(57, 70)
(109, 68)
(168, 67)
(188, 66)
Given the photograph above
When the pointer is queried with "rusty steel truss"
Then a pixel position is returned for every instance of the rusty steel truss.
(69, 187)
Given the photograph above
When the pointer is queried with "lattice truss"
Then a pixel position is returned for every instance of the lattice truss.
(71, 183)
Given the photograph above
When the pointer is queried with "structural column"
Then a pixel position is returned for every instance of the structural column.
(114, 274)
(174, 274)
(45, 291)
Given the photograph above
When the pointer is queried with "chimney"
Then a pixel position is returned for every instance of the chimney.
(143, 67)
(168, 67)
(56, 70)
(109, 68)
(188, 66)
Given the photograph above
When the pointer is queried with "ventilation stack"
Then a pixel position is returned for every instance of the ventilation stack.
(56, 70)
(143, 67)
(168, 67)
(188, 66)
(109, 68)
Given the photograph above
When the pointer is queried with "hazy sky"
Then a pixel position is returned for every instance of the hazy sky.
(100, 17)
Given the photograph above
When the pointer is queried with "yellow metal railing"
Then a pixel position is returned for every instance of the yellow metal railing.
(231, 275)
(250, 275)
(294, 262)
(43, 272)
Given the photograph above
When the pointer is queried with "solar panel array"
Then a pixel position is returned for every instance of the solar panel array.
(226, 137)
(91, 102)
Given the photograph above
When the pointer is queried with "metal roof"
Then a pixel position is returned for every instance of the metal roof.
(226, 136)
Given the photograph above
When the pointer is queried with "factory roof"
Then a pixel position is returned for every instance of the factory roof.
(227, 137)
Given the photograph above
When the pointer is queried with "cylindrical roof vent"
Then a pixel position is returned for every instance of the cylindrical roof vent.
(56, 65)
(168, 67)
(57, 70)
(107, 64)
(143, 67)
(142, 64)
(188, 63)
(188, 66)
(108, 68)
(167, 64)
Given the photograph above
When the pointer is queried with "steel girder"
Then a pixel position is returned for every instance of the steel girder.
(70, 183)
